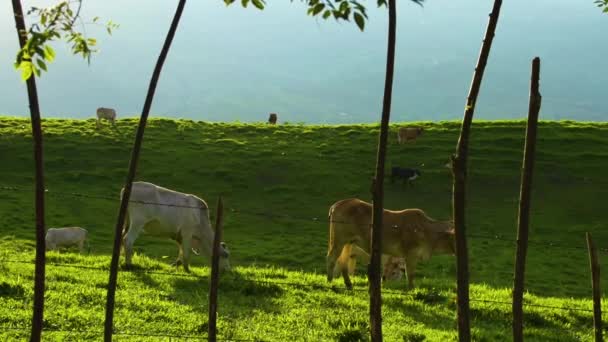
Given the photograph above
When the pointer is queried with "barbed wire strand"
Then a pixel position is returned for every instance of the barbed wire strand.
(100, 332)
(532, 305)
(327, 220)
(314, 286)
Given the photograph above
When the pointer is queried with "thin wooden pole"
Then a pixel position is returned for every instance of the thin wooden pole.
(32, 95)
(524, 202)
(459, 173)
(108, 325)
(375, 307)
(215, 272)
(594, 263)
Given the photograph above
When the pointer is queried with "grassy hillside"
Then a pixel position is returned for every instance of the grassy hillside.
(278, 183)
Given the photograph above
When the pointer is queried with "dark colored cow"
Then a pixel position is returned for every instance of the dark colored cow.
(272, 119)
(408, 175)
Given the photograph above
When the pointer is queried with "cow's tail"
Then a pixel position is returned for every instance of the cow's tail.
(349, 258)
(331, 227)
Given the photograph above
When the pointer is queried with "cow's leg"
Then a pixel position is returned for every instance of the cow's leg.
(346, 276)
(81, 246)
(129, 240)
(410, 269)
(332, 255)
(186, 246)
(349, 265)
(180, 255)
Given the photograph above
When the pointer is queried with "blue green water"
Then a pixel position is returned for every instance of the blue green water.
(229, 64)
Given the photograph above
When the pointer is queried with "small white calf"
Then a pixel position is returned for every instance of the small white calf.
(64, 237)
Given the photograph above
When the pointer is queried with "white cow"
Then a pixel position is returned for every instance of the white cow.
(65, 237)
(166, 213)
(107, 114)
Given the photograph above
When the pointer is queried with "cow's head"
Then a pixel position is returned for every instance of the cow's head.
(393, 269)
(224, 264)
(445, 243)
(224, 254)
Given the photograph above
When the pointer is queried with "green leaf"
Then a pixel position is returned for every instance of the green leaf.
(326, 14)
(359, 21)
(49, 53)
(41, 64)
(259, 4)
(36, 70)
(26, 70)
(318, 8)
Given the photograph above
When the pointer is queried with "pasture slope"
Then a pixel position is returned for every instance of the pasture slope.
(278, 183)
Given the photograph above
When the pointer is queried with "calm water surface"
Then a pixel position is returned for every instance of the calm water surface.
(229, 64)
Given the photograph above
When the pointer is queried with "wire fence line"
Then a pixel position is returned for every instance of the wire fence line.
(118, 333)
(496, 237)
(310, 219)
(532, 305)
(336, 289)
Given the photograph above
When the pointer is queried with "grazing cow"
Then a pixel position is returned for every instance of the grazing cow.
(347, 262)
(406, 134)
(65, 237)
(107, 114)
(408, 175)
(272, 119)
(407, 233)
(166, 213)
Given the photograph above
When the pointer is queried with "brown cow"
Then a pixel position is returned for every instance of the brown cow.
(407, 233)
(406, 134)
(272, 119)
(347, 262)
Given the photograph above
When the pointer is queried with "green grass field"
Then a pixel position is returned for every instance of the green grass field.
(278, 183)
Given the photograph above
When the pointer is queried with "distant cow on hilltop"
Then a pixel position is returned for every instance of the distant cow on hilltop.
(272, 119)
(106, 114)
(406, 134)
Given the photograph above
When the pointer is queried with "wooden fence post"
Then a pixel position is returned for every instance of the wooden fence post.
(109, 321)
(375, 307)
(459, 173)
(524, 202)
(594, 263)
(215, 272)
(32, 93)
